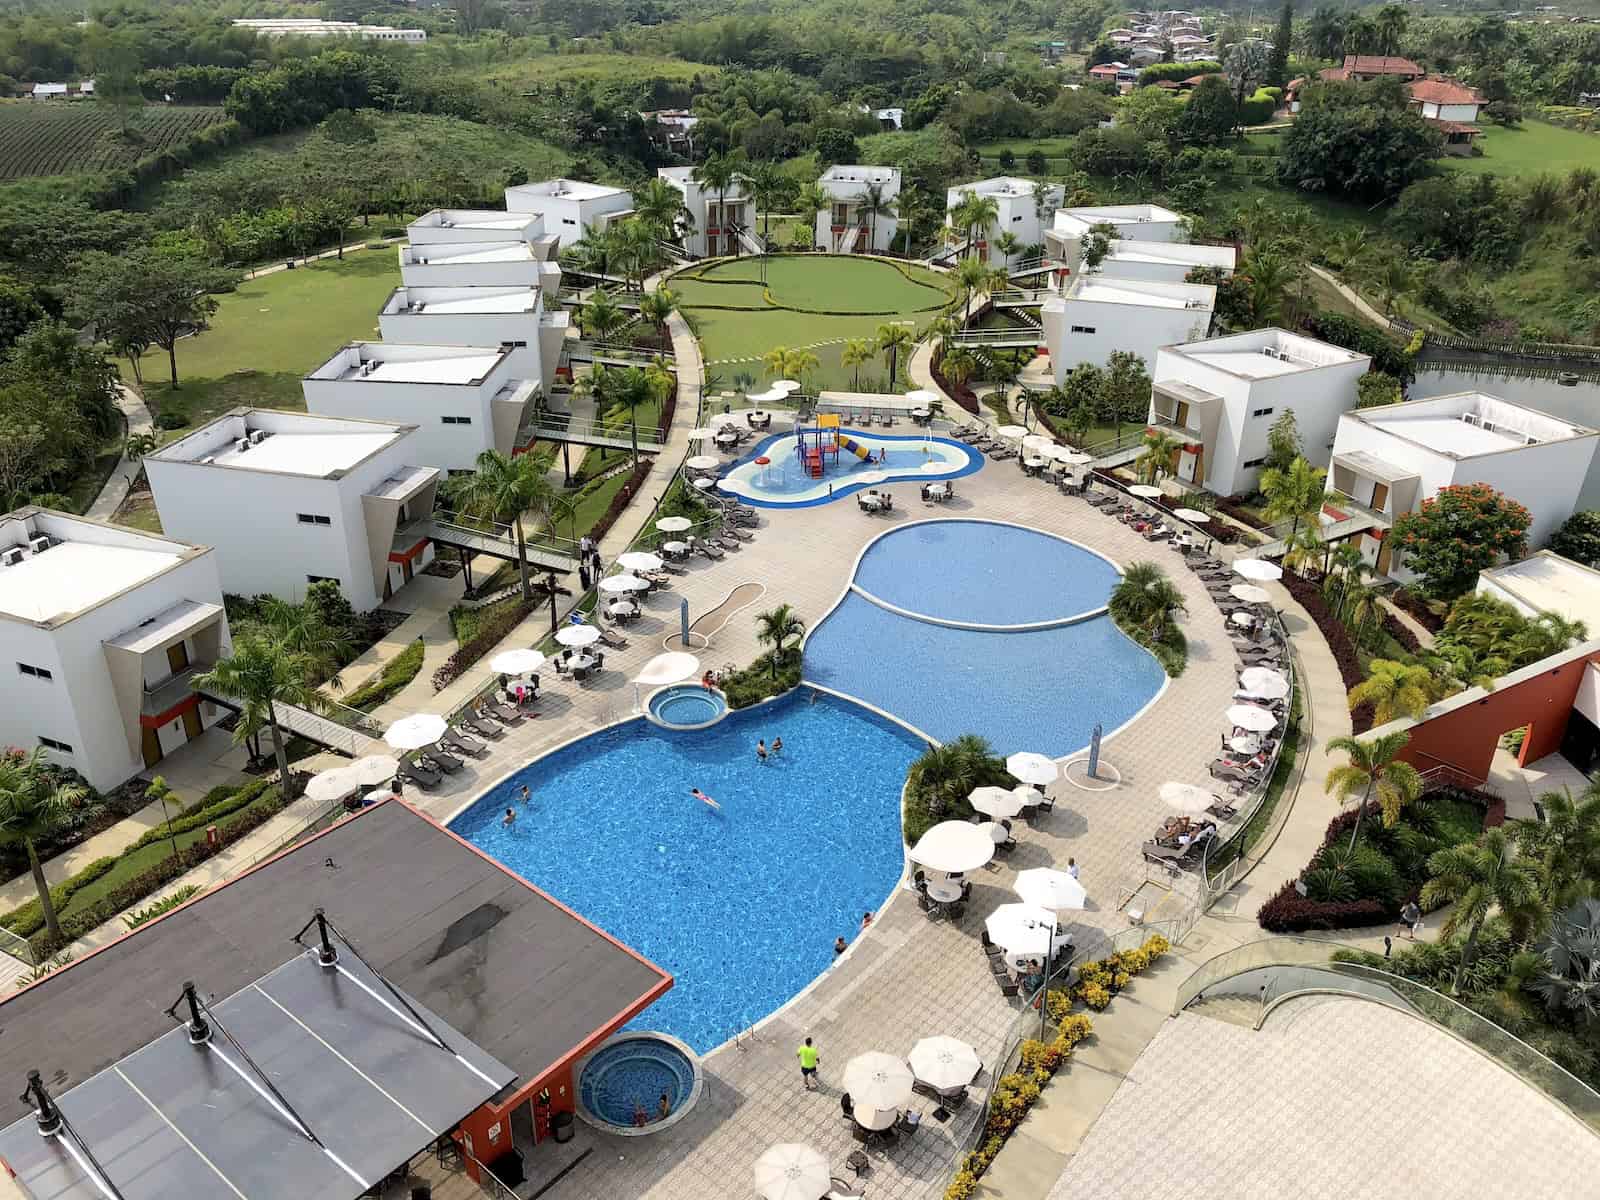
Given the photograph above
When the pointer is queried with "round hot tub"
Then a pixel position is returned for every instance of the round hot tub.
(686, 706)
(620, 1085)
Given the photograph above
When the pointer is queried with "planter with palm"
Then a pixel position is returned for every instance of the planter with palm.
(777, 627)
(857, 353)
(1293, 493)
(601, 317)
(258, 676)
(872, 204)
(503, 489)
(971, 277)
(1160, 451)
(35, 804)
(893, 340)
(1374, 770)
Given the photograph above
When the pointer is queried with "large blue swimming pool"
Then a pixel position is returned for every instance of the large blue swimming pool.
(1041, 690)
(742, 905)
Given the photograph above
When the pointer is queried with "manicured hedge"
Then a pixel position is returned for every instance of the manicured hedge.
(620, 501)
(397, 672)
(1339, 641)
(1408, 601)
(489, 635)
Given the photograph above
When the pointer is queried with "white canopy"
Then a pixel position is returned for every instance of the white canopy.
(623, 583)
(786, 385)
(1248, 716)
(923, 396)
(674, 524)
(944, 1062)
(332, 784)
(374, 768)
(416, 731)
(1146, 491)
(1023, 929)
(1192, 515)
(791, 1171)
(1011, 432)
(1186, 797)
(1249, 593)
(1039, 442)
(701, 434)
(1242, 618)
(718, 420)
(997, 832)
(578, 636)
(1032, 768)
(878, 1080)
(1264, 683)
(640, 560)
(1070, 456)
(516, 662)
(1049, 888)
(953, 847)
(1258, 569)
(703, 462)
(996, 802)
(770, 396)
(670, 667)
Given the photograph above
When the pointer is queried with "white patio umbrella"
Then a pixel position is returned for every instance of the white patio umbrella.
(1250, 593)
(944, 1062)
(791, 1171)
(1038, 443)
(616, 584)
(1049, 888)
(996, 802)
(1011, 432)
(332, 784)
(1242, 618)
(1032, 768)
(416, 731)
(640, 560)
(1264, 682)
(516, 662)
(670, 667)
(1070, 456)
(578, 636)
(770, 396)
(1186, 797)
(1248, 716)
(1258, 569)
(1146, 491)
(674, 524)
(703, 462)
(786, 385)
(923, 396)
(1192, 515)
(996, 831)
(878, 1080)
(374, 768)
(702, 434)
(953, 847)
(718, 420)
(1023, 929)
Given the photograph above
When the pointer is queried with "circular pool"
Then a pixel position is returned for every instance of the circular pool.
(686, 706)
(620, 1085)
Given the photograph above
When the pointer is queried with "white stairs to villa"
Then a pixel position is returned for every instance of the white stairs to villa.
(749, 241)
(849, 239)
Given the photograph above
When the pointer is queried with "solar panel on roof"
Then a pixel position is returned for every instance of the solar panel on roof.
(316, 1081)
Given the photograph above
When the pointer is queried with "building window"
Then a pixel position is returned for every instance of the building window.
(313, 519)
(1263, 412)
(1254, 462)
(52, 744)
(36, 672)
(1083, 329)
(568, 221)
(456, 420)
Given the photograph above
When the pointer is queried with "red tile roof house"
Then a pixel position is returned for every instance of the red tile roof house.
(1450, 107)
(1373, 66)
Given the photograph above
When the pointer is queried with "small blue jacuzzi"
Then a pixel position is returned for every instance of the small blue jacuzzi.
(620, 1085)
(686, 706)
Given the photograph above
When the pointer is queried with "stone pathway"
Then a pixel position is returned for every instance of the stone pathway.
(115, 490)
(1418, 630)
(1350, 294)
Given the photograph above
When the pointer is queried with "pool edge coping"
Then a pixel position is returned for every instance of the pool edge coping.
(975, 463)
(595, 1121)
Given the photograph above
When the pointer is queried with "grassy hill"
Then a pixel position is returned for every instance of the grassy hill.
(60, 137)
(600, 66)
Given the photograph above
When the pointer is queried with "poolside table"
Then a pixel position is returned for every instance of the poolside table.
(875, 1120)
(704, 482)
(944, 891)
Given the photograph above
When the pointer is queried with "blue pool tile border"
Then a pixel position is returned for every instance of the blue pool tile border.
(975, 463)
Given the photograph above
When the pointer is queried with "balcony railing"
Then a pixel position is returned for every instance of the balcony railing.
(1162, 421)
(1351, 507)
(175, 688)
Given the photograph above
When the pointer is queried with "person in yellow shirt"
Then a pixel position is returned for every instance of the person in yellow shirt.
(807, 1055)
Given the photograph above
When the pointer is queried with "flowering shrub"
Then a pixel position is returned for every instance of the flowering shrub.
(1460, 531)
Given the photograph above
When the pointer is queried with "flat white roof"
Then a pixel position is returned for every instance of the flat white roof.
(568, 189)
(1246, 362)
(1262, 353)
(1000, 185)
(1114, 214)
(471, 252)
(74, 575)
(467, 369)
(1099, 290)
(859, 174)
(1468, 424)
(397, 362)
(475, 218)
(167, 625)
(1547, 582)
(1452, 435)
(1182, 253)
(315, 454)
(294, 443)
(419, 301)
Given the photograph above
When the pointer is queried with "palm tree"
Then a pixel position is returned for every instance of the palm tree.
(782, 362)
(602, 316)
(657, 307)
(1295, 491)
(765, 183)
(35, 804)
(1347, 561)
(1479, 878)
(980, 215)
(1160, 447)
(958, 366)
(856, 354)
(503, 488)
(1008, 244)
(1570, 983)
(1145, 598)
(1269, 274)
(1373, 769)
(717, 174)
(658, 204)
(813, 200)
(941, 329)
(1394, 689)
(775, 628)
(872, 204)
(947, 774)
(892, 339)
(1394, 277)
(971, 277)
(258, 676)
(1303, 549)
(636, 243)
(301, 629)
(1565, 846)
(596, 248)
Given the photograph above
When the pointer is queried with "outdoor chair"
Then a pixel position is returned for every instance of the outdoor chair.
(1222, 810)
(988, 945)
(1155, 852)
(613, 639)
(1008, 986)
(1002, 452)
(706, 549)
(1098, 499)
(442, 759)
(418, 774)
(483, 727)
(467, 745)
(728, 542)
(744, 535)
(505, 714)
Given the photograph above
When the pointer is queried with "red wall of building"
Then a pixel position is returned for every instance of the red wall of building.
(1465, 738)
(486, 1134)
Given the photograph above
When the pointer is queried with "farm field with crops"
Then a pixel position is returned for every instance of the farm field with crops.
(59, 137)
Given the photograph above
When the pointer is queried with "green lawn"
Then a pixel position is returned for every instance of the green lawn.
(868, 293)
(1050, 147)
(269, 333)
(1534, 148)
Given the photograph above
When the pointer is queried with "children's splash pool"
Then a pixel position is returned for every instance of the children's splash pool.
(889, 458)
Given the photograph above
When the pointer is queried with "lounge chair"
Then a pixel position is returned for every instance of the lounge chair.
(457, 740)
(1008, 986)
(505, 713)
(441, 759)
(1154, 851)
(988, 945)
(416, 773)
(1002, 452)
(483, 727)
(1222, 810)
(613, 639)
(697, 546)
(728, 542)
(742, 532)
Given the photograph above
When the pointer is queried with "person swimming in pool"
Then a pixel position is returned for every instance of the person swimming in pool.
(704, 799)
(510, 817)
(777, 745)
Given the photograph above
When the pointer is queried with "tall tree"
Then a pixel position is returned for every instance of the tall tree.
(893, 340)
(814, 200)
(147, 293)
(258, 676)
(1295, 493)
(1373, 770)
(776, 628)
(1458, 532)
(1278, 61)
(873, 204)
(857, 353)
(1479, 879)
(34, 804)
(717, 174)
(504, 489)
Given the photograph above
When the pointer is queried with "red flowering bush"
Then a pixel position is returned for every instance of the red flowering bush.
(1459, 532)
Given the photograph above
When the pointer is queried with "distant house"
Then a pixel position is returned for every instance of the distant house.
(1450, 107)
(1107, 71)
(49, 91)
(845, 227)
(672, 129)
(1363, 67)
(890, 118)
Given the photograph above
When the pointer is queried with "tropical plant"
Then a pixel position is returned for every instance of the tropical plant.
(502, 488)
(776, 628)
(258, 676)
(857, 353)
(814, 199)
(971, 277)
(1478, 879)
(766, 183)
(1570, 984)
(958, 366)
(1395, 689)
(1008, 244)
(1146, 599)
(1303, 549)
(35, 804)
(977, 215)
(784, 362)
(1270, 274)
(658, 204)
(1160, 449)
(1373, 769)
(596, 247)
(892, 340)
(602, 316)
(1294, 493)
(945, 775)
(872, 204)
(304, 629)
(657, 307)
(1457, 532)
(1564, 847)
(717, 174)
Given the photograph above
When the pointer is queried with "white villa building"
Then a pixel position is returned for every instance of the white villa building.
(1133, 223)
(480, 316)
(1096, 316)
(1387, 461)
(712, 225)
(103, 630)
(570, 208)
(1023, 211)
(462, 399)
(844, 227)
(1163, 262)
(1547, 582)
(460, 226)
(277, 27)
(478, 264)
(1221, 396)
(288, 499)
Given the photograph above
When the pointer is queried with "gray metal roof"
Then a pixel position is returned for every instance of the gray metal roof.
(519, 975)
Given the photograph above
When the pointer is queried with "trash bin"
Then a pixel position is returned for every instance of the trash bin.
(561, 1126)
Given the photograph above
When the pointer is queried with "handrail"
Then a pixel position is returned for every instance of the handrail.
(17, 947)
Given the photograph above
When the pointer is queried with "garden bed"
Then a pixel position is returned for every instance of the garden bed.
(1340, 644)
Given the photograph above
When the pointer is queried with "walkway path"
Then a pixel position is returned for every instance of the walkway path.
(1350, 294)
(115, 491)
(1418, 630)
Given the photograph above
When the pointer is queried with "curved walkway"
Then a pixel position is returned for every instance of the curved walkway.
(139, 420)
(1350, 294)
